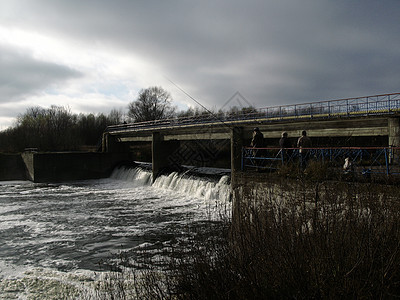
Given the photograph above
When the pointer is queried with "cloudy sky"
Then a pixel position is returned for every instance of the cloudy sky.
(93, 56)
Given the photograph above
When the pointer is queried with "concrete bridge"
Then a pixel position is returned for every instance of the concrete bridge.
(219, 140)
(372, 120)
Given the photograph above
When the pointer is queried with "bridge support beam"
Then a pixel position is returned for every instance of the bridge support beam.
(393, 135)
(161, 152)
(236, 153)
(111, 144)
(104, 142)
(394, 132)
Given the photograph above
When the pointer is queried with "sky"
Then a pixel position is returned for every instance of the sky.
(93, 56)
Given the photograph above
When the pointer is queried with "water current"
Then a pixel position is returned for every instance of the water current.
(58, 237)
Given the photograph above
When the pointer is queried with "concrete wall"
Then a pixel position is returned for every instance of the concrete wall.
(57, 167)
(12, 167)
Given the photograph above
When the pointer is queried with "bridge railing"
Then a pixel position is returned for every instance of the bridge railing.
(361, 106)
(369, 105)
(361, 160)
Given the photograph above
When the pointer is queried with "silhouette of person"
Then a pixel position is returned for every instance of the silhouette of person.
(257, 142)
(258, 138)
(303, 143)
(284, 143)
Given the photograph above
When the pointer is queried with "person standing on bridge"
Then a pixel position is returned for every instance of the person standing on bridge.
(258, 138)
(303, 143)
(284, 143)
(257, 142)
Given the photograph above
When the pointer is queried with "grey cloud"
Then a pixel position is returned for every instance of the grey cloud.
(282, 52)
(21, 74)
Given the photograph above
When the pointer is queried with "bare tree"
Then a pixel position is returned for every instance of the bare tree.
(115, 116)
(153, 103)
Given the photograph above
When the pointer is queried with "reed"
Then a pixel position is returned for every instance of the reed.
(302, 241)
(297, 240)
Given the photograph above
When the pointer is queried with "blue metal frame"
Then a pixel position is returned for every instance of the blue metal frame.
(371, 160)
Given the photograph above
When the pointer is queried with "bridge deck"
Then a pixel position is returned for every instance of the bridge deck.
(377, 105)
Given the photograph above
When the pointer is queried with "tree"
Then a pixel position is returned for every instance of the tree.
(56, 129)
(153, 103)
(115, 116)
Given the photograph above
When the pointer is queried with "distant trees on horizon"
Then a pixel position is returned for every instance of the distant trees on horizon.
(58, 129)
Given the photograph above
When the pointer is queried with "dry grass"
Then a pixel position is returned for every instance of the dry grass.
(324, 241)
(303, 240)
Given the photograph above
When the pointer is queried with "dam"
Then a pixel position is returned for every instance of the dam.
(218, 141)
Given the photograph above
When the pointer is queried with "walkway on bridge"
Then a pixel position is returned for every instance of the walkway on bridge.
(350, 107)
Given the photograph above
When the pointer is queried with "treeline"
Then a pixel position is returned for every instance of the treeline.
(56, 129)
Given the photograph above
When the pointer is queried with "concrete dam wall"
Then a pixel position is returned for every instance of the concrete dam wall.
(59, 166)
(12, 167)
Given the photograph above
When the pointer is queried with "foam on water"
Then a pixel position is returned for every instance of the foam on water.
(136, 176)
(192, 185)
(56, 238)
(198, 187)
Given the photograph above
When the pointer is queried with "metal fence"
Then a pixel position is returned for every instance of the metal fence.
(361, 106)
(360, 160)
(351, 107)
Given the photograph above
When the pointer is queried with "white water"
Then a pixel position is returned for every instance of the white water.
(57, 239)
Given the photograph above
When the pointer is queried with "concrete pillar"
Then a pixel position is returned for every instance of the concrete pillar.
(161, 151)
(394, 132)
(156, 154)
(394, 138)
(28, 158)
(111, 144)
(236, 152)
(104, 142)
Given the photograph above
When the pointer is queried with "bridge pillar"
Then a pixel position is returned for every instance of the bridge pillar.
(104, 142)
(394, 137)
(394, 132)
(236, 152)
(161, 151)
(110, 144)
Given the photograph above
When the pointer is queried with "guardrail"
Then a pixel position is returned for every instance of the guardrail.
(361, 160)
(350, 107)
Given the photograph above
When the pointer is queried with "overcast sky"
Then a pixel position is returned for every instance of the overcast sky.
(93, 56)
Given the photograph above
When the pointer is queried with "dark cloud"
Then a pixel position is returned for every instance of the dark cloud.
(21, 74)
(273, 52)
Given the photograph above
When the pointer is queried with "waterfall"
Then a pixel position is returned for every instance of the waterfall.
(137, 176)
(198, 186)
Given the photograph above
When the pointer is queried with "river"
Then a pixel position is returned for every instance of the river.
(59, 237)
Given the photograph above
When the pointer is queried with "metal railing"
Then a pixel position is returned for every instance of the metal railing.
(350, 107)
(361, 160)
(369, 105)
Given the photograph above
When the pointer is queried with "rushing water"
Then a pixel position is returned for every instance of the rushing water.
(58, 237)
